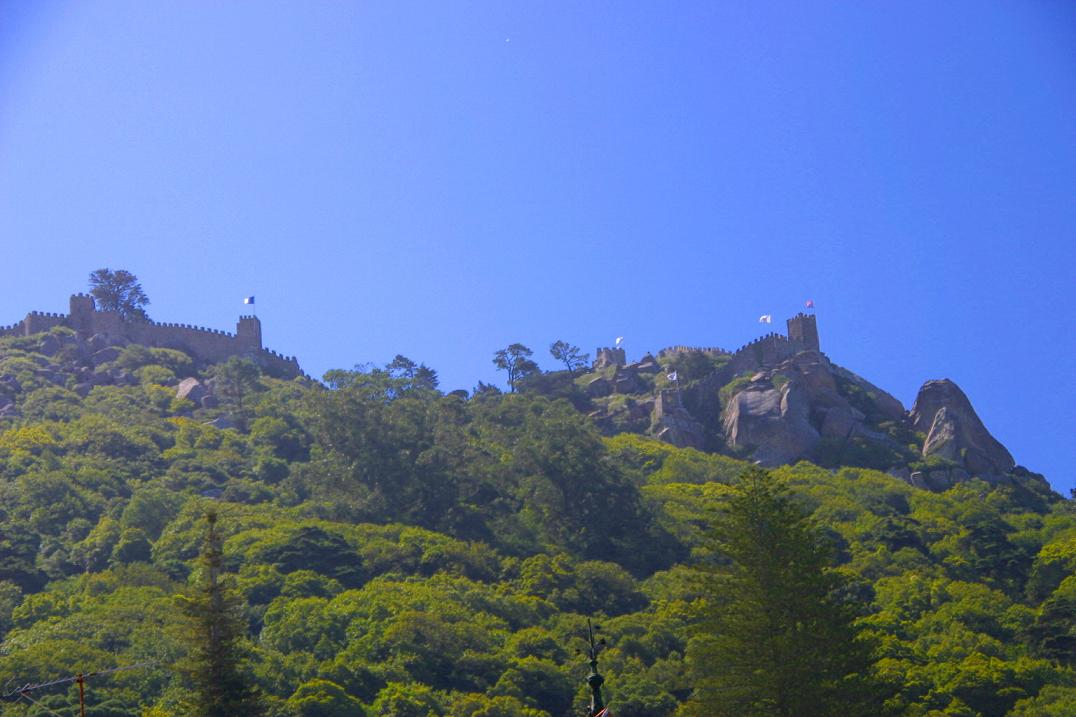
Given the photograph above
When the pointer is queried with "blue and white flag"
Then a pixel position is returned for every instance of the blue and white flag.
(248, 299)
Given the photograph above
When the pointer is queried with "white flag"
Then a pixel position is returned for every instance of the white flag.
(766, 319)
(619, 340)
(671, 376)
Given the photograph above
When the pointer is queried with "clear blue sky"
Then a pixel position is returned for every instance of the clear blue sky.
(442, 179)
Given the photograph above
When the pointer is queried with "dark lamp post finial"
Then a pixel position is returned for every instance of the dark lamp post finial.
(594, 679)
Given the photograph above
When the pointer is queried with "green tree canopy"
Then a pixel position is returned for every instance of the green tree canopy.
(572, 357)
(779, 638)
(516, 362)
(119, 291)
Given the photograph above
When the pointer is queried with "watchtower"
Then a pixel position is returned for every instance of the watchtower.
(609, 357)
(803, 328)
(82, 310)
(249, 333)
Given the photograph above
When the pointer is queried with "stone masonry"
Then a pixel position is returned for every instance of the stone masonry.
(204, 345)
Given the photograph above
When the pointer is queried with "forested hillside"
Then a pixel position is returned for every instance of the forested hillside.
(401, 551)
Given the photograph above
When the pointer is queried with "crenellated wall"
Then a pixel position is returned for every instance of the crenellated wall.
(670, 350)
(205, 345)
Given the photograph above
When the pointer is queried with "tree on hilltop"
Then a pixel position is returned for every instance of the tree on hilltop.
(417, 375)
(516, 361)
(119, 291)
(572, 357)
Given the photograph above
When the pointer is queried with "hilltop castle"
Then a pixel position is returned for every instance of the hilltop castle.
(204, 345)
(766, 350)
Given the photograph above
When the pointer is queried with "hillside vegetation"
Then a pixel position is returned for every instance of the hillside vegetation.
(401, 551)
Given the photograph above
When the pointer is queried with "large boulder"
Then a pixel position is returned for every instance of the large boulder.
(770, 424)
(671, 423)
(105, 355)
(192, 389)
(955, 432)
(598, 387)
(49, 345)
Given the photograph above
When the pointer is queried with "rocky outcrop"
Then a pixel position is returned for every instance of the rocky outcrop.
(770, 424)
(648, 364)
(626, 380)
(955, 433)
(598, 387)
(673, 424)
(781, 415)
(884, 404)
(779, 399)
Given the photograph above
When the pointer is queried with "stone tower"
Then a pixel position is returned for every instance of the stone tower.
(803, 328)
(609, 357)
(82, 310)
(249, 333)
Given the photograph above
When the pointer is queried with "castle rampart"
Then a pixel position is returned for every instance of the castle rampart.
(205, 345)
(680, 349)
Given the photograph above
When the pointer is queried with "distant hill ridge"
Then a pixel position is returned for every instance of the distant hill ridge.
(204, 345)
(774, 401)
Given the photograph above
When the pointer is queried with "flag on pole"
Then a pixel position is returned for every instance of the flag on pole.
(766, 319)
(671, 376)
(248, 299)
(809, 303)
(619, 340)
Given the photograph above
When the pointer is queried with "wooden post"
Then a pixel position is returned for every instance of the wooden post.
(81, 695)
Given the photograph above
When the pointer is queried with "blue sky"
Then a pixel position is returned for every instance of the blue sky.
(442, 179)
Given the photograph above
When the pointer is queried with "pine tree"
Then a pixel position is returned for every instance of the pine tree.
(778, 639)
(119, 291)
(215, 631)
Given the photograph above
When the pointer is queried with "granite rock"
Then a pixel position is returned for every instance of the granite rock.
(955, 432)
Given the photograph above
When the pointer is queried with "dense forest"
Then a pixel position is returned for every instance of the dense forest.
(392, 549)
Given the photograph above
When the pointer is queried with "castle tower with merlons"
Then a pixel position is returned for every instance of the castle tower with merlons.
(803, 328)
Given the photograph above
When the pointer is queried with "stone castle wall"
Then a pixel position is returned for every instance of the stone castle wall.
(205, 345)
(670, 350)
(767, 350)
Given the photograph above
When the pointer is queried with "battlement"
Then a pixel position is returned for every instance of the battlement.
(670, 350)
(771, 338)
(604, 356)
(206, 345)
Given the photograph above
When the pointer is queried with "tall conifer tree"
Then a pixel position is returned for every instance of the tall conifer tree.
(778, 640)
(215, 664)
